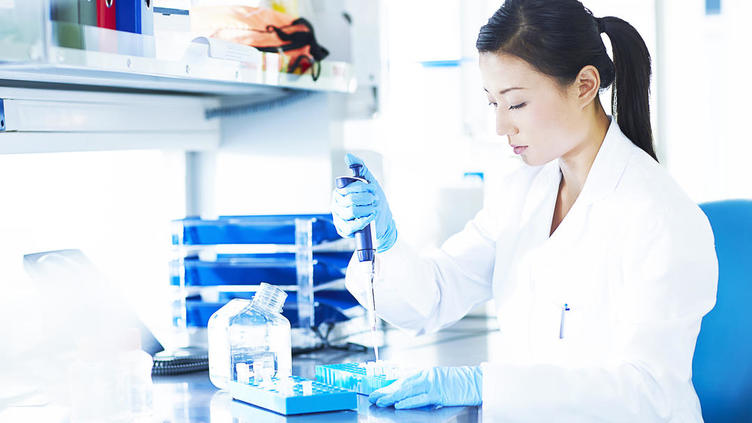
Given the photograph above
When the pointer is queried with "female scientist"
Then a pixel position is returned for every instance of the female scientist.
(600, 265)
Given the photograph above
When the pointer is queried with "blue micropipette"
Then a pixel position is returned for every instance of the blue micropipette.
(362, 237)
(364, 248)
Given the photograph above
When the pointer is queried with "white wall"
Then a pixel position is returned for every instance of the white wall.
(706, 98)
(699, 97)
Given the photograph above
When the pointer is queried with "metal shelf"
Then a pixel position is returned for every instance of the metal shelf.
(167, 61)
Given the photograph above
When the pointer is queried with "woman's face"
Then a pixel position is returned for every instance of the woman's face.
(536, 114)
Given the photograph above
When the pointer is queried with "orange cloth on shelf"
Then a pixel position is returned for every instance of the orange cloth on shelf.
(265, 29)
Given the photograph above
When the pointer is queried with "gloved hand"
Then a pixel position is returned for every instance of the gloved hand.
(439, 385)
(358, 204)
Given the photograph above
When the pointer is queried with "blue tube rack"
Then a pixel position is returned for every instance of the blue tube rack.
(351, 376)
(272, 396)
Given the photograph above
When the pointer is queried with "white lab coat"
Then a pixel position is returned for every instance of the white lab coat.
(634, 260)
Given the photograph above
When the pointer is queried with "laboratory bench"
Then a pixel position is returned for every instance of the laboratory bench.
(192, 398)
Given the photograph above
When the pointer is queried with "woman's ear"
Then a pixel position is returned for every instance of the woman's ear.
(587, 85)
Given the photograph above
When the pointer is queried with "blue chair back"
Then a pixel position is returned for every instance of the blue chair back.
(722, 366)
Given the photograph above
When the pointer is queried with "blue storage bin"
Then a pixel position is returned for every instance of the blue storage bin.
(244, 269)
(261, 229)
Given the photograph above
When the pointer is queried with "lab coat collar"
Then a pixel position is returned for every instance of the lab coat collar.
(605, 173)
(608, 167)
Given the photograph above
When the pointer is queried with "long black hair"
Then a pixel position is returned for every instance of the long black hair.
(560, 37)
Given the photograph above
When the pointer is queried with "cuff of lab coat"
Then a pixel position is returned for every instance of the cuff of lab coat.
(505, 389)
(488, 386)
(406, 294)
(498, 390)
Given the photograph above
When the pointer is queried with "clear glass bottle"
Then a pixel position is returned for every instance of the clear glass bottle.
(260, 345)
(219, 341)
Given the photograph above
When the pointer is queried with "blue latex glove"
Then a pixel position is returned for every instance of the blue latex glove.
(439, 386)
(358, 204)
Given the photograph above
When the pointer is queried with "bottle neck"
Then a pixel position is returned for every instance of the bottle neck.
(269, 298)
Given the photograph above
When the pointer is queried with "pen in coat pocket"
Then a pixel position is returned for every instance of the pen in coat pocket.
(564, 310)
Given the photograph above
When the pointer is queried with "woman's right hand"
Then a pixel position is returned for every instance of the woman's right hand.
(358, 204)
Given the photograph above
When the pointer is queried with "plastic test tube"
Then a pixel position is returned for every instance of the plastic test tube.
(243, 373)
(307, 387)
(263, 369)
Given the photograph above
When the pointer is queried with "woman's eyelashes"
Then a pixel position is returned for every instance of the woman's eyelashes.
(515, 107)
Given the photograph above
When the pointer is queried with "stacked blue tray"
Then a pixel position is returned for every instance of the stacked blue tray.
(251, 269)
(328, 308)
(258, 229)
(244, 269)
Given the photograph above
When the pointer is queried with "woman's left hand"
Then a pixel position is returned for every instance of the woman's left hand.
(439, 385)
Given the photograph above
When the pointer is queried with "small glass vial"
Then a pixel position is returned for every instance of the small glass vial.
(260, 338)
(219, 341)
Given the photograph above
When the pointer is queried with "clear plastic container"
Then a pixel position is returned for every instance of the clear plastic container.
(110, 380)
(137, 367)
(219, 341)
(260, 345)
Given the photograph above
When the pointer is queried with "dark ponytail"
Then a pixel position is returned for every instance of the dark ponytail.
(630, 94)
(560, 37)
